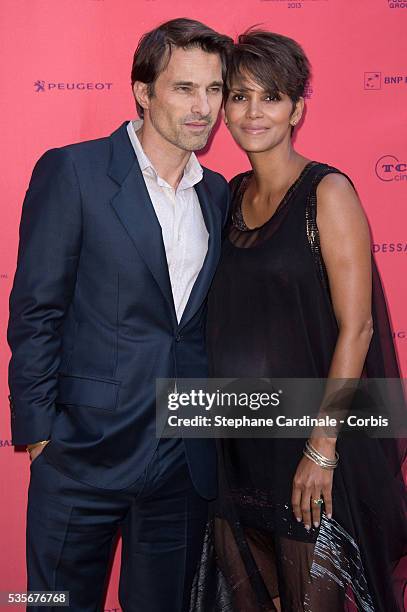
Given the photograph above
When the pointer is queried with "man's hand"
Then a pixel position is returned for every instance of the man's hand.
(36, 450)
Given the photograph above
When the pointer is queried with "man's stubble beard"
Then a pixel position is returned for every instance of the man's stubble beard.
(193, 143)
(178, 138)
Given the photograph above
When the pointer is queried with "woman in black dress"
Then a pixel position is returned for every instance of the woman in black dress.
(297, 294)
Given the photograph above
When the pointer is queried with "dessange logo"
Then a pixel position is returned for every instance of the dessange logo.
(390, 247)
(43, 86)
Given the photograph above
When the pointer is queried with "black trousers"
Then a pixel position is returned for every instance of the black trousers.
(71, 528)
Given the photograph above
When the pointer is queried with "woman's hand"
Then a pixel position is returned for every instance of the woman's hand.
(312, 482)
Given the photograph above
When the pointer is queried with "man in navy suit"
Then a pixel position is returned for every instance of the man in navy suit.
(119, 241)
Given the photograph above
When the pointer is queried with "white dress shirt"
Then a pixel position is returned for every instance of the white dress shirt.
(179, 213)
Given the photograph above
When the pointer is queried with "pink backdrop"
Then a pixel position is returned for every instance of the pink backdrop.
(65, 77)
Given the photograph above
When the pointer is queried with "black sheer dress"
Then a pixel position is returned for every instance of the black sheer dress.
(270, 315)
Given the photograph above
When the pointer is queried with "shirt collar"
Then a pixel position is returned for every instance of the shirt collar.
(192, 172)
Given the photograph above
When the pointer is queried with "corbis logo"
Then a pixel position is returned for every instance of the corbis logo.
(43, 86)
(389, 168)
(396, 5)
(375, 80)
(390, 247)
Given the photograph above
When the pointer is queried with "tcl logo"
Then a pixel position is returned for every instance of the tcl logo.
(390, 168)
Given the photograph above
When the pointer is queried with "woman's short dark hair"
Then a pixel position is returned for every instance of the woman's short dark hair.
(273, 61)
(154, 49)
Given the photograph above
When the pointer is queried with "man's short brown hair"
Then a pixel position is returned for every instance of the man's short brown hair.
(154, 49)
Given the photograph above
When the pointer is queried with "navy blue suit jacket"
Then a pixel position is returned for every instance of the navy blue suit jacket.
(92, 319)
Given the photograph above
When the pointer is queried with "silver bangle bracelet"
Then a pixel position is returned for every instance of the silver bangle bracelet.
(320, 463)
(313, 450)
(315, 456)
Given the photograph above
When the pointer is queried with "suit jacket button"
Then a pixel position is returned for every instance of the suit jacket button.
(178, 338)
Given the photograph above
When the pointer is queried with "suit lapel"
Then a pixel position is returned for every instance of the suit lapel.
(135, 211)
(134, 208)
(213, 222)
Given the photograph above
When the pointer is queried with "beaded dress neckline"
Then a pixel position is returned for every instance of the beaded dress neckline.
(237, 216)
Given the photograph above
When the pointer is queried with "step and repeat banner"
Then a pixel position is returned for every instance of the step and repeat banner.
(65, 77)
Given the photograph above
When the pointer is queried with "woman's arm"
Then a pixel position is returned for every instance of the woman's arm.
(345, 246)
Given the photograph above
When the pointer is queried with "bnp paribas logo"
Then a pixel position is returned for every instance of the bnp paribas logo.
(377, 80)
(373, 80)
(46, 86)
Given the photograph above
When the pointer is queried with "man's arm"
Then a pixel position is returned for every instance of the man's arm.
(48, 255)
